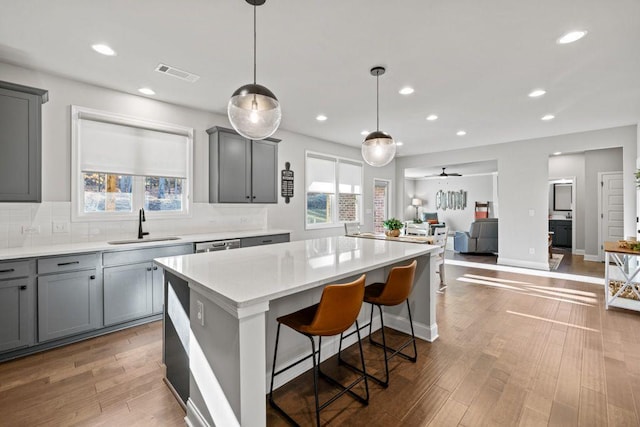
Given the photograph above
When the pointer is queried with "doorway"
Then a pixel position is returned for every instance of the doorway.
(611, 209)
(381, 203)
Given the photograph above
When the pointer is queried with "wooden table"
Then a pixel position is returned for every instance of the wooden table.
(625, 271)
(426, 240)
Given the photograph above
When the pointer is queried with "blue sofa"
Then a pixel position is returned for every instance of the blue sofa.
(482, 237)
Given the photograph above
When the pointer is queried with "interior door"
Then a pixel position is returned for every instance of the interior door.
(612, 210)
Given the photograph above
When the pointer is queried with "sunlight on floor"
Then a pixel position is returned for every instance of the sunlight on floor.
(547, 292)
(571, 325)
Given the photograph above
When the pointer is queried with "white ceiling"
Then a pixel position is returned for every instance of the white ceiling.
(471, 62)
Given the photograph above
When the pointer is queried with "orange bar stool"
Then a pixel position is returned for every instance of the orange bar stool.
(337, 310)
(394, 292)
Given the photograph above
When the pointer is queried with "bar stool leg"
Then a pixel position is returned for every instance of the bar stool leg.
(316, 369)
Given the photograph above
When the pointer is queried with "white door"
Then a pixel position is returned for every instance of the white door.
(612, 210)
(381, 202)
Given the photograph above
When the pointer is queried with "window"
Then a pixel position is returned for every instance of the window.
(333, 190)
(122, 164)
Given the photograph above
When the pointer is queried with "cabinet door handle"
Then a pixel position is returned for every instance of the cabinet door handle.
(267, 241)
(10, 270)
(149, 269)
(155, 267)
(248, 197)
(23, 287)
(61, 264)
(253, 197)
(92, 277)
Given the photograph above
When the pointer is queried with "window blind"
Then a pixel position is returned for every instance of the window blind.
(129, 150)
(320, 175)
(349, 178)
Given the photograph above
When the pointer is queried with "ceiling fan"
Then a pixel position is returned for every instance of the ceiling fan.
(444, 174)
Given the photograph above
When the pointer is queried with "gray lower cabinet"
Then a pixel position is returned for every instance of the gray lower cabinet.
(20, 142)
(16, 312)
(68, 304)
(133, 285)
(242, 170)
(128, 292)
(263, 240)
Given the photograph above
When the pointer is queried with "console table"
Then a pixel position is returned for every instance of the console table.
(621, 279)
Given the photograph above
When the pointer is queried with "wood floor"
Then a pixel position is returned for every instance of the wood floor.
(513, 350)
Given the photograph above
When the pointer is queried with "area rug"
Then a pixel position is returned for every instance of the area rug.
(555, 261)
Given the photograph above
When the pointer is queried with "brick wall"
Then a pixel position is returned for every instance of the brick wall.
(379, 200)
(348, 207)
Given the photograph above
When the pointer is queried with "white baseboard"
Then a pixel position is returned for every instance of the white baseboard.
(578, 251)
(194, 418)
(525, 264)
(427, 333)
(595, 258)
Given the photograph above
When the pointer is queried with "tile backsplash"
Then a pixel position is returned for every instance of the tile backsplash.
(33, 224)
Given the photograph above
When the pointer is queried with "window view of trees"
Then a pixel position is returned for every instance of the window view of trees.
(107, 193)
(162, 194)
(318, 208)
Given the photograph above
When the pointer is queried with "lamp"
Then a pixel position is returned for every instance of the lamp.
(378, 148)
(416, 203)
(254, 111)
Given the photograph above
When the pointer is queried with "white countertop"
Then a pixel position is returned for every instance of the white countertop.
(74, 248)
(253, 275)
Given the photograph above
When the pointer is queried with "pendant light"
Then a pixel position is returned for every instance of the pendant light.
(378, 148)
(254, 111)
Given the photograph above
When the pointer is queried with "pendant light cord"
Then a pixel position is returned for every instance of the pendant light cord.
(254, 43)
(377, 102)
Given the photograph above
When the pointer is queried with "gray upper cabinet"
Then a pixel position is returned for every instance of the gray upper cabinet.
(242, 170)
(20, 142)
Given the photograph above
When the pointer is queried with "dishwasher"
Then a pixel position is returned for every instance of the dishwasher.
(218, 245)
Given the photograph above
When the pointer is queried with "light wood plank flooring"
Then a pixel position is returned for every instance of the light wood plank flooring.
(513, 350)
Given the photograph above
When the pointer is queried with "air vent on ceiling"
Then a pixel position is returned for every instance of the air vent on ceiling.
(177, 73)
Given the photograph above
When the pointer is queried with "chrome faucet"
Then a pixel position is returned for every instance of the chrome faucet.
(141, 219)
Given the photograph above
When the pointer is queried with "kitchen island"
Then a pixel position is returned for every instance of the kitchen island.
(222, 307)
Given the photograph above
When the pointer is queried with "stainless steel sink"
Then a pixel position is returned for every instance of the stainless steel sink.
(153, 239)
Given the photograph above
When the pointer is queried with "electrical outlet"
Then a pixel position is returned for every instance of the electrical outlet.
(200, 312)
(30, 229)
(60, 227)
(532, 251)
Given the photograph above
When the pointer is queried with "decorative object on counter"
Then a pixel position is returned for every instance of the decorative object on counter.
(416, 203)
(633, 245)
(254, 111)
(286, 183)
(393, 226)
(378, 148)
(451, 200)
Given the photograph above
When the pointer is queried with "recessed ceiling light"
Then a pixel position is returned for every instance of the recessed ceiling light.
(365, 132)
(321, 117)
(432, 117)
(571, 37)
(557, 153)
(548, 117)
(146, 91)
(406, 90)
(103, 49)
(399, 143)
(461, 133)
(537, 92)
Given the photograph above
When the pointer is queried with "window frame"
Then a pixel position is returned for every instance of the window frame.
(334, 222)
(138, 188)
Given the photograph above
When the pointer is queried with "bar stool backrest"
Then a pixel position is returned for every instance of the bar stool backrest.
(398, 285)
(338, 309)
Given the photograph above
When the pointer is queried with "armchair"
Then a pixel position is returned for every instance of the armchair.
(482, 237)
(432, 219)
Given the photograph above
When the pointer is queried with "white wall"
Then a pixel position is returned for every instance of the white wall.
(478, 188)
(56, 167)
(523, 173)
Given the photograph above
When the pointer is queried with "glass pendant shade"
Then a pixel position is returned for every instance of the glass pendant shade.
(254, 111)
(378, 149)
